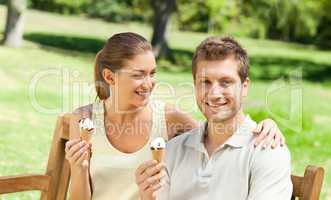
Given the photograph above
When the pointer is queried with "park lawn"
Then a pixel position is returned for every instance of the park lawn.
(26, 132)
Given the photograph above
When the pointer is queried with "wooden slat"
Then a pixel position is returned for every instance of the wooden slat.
(10, 184)
(297, 182)
(66, 124)
(313, 181)
(56, 160)
(64, 181)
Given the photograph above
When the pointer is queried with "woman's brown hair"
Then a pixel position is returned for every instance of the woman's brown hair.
(118, 49)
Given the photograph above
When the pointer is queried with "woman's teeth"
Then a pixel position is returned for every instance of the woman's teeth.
(143, 94)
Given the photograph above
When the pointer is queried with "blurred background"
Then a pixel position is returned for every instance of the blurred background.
(48, 50)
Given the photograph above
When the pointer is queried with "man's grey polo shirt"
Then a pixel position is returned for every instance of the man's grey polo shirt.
(236, 171)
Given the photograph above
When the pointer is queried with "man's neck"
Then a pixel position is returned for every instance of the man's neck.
(219, 132)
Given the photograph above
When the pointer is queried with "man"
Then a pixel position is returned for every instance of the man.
(219, 160)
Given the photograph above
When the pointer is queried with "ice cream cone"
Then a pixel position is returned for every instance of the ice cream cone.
(158, 154)
(158, 149)
(85, 135)
(86, 130)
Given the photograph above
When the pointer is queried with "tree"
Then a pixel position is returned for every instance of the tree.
(324, 27)
(162, 10)
(15, 23)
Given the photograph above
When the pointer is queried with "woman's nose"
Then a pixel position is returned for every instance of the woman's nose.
(148, 82)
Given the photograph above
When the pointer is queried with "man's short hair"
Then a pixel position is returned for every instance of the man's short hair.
(220, 48)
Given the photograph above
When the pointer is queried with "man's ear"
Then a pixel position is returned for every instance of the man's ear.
(109, 76)
(245, 86)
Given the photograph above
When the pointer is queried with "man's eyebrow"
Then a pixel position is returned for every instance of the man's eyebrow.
(202, 77)
(227, 78)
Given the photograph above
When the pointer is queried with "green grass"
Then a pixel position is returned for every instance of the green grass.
(26, 133)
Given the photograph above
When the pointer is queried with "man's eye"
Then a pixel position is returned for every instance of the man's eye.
(206, 82)
(225, 83)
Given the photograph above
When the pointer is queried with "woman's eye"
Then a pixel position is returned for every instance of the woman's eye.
(138, 76)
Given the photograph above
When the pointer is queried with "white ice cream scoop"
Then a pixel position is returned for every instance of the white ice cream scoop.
(86, 124)
(158, 143)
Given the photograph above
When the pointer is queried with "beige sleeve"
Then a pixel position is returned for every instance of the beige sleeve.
(271, 175)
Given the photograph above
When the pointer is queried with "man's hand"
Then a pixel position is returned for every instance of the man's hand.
(148, 178)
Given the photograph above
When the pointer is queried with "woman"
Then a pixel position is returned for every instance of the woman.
(125, 122)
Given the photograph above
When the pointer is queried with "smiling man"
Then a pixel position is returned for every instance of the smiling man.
(219, 160)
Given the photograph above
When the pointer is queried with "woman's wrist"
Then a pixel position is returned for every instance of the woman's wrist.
(75, 170)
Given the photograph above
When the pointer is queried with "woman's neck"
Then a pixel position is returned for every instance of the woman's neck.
(120, 113)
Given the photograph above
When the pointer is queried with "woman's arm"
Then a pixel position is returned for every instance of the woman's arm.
(267, 132)
(80, 181)
(77, 155)
(178, 121)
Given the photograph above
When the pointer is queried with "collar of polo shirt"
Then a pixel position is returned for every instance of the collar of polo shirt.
(240, 137)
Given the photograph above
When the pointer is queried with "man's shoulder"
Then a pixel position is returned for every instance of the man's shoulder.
(177, 149)
(178, 146)
(183, 138)
(180, 140)
(278, 157)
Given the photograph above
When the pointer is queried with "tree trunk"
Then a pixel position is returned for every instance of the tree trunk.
(162, 13)
(15, 23)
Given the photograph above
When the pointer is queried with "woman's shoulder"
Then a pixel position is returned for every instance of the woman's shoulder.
(84, 111)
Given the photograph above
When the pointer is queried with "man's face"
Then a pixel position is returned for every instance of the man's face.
(219, 90)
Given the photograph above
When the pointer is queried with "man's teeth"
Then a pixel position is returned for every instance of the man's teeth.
(216, 104)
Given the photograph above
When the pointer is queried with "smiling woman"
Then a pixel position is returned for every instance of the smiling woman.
(125, 119)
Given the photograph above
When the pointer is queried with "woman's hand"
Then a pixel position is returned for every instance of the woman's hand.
(148, 178)
(77, 154)
(268, 134)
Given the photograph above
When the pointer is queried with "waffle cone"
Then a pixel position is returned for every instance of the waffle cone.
(158, 154)
(85, 135)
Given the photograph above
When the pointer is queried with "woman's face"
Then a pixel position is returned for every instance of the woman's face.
(133, 84)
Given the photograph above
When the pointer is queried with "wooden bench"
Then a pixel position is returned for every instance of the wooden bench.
(55, 182)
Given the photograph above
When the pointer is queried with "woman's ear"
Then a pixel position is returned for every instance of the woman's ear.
(109, 76)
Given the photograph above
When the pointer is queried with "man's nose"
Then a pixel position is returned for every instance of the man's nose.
(215, 90)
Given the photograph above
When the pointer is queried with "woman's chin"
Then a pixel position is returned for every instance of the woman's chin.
(141, 103)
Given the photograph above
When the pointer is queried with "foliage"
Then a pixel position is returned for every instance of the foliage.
(60, 6)
(206, 16)
(304, 21)
(120, 10)
(324, 28)
(301, 21)
(290, 20)
(192, 16)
